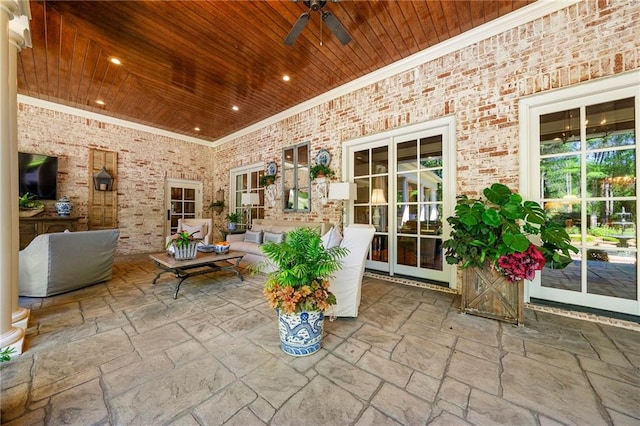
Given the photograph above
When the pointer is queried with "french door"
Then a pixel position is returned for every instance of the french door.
(183, 200)
(406, 188)
(585, 151)
(245, 180)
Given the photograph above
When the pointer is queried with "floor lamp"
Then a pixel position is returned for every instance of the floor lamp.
(343, 191)
(249, 199)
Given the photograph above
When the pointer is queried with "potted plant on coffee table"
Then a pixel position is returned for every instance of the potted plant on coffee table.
(184, 245)
(298, 288)
(491, 239)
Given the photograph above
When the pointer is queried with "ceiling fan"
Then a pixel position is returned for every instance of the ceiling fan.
(327, 17)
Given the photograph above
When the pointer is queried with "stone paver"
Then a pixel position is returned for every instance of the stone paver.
(125, 352)
(559, 393)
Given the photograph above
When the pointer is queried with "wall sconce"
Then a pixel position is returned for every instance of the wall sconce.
(249, 199)
(343, 191)
(103, 181)
(220, 195)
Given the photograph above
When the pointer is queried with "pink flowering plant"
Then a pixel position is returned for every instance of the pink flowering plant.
(500, 229)
(521, 266)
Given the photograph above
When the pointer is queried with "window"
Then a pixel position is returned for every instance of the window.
(296, 180)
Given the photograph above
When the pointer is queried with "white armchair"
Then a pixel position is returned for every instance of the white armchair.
(193, 225)
(346, 283)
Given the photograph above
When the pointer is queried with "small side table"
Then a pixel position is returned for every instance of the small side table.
(227, 231)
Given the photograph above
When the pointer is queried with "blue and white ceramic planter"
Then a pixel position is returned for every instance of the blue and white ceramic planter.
(64, 206)
(301, 333)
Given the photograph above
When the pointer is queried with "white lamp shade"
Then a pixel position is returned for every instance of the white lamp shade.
(250, 199)
(377, 197)
(342, 191)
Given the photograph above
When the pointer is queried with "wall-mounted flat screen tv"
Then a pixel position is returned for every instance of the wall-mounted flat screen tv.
(38, 175)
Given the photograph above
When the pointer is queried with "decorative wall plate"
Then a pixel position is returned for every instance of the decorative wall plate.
(272, 168)
(323, 157)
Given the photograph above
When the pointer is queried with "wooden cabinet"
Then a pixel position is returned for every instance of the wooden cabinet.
(31, 227)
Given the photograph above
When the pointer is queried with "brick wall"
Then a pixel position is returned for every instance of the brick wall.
(480, 85)
(144, 161)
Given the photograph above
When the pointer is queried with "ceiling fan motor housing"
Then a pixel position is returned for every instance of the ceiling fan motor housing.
(315, 5)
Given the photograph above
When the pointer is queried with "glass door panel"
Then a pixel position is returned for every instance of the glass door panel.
(183, 201)
(588, 163)
(419, 197)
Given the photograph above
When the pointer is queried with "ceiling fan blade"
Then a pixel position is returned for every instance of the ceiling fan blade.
(297, 29)
(336, 27)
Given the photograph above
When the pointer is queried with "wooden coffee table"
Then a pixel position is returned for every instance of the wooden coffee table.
(204, 263)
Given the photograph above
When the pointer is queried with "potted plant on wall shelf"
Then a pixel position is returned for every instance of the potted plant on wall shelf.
(320, 171)
(233, 219)
(298, 288)
(490, 239)
(216, 206)
(267, 180)
(29, 206)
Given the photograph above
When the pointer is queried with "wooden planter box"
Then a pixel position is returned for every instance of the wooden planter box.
(488, 294)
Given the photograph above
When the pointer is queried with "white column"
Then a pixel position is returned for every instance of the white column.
(11, 335)
(19, 316)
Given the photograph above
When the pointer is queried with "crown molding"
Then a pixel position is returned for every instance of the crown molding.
(507, 22)
(28, 100)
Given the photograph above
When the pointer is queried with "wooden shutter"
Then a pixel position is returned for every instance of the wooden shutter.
(103, 205)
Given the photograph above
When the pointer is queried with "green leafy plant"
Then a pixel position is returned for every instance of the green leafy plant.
(182, 239)
(303, 266)
(267, 180)
(234, 217)
(5, 354)
(500, 226)
(321, 169)
(28, 201)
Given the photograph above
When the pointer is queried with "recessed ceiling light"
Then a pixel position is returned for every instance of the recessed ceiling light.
(235, 108)
(100, 102)
(197, 129)
(115, 61)
(286, 77)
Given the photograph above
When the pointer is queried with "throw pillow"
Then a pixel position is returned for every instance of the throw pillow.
(332, 238)
(253, 237)
(196, 230)
(326, 238)
(336, 238)
(273, 237)
(259, 227)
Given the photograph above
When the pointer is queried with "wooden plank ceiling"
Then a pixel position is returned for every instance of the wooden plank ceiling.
(185, 64)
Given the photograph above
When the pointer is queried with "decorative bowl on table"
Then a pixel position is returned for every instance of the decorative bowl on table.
(205, 248)
(221, 247)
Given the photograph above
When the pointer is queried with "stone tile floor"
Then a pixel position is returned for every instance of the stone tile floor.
(125, 353)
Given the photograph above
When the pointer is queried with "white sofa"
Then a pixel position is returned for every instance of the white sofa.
(272, 226)
(64, 261)
(346, 283)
